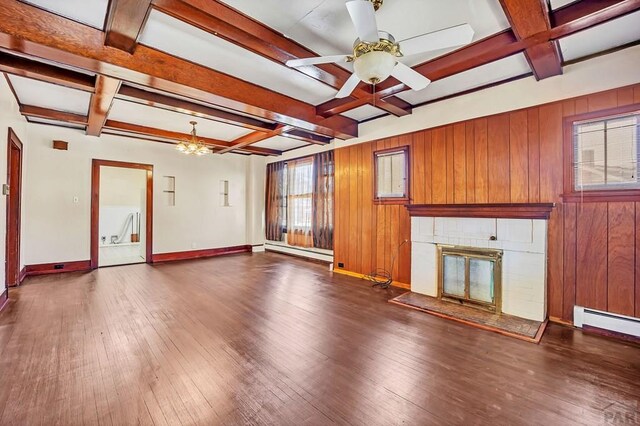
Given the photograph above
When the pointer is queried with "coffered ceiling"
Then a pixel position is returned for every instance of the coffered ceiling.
(145, 68)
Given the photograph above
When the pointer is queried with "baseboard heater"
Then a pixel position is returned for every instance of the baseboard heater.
(606, 321)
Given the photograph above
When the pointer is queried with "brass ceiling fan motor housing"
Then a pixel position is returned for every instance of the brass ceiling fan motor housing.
(376, 4)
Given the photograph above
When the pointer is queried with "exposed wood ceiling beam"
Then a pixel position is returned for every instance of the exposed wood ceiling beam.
(50, 114)
(35, 32)
(251, 138)
(51, 74)
(179, 105)
(166, 134)
(568, 20)
(125, 20)
(101, 100)
(16, 65)
(587, 13)
(307, 137)
(528, 18)
(233, 26)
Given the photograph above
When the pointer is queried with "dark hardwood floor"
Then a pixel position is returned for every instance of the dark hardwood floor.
(269, 339)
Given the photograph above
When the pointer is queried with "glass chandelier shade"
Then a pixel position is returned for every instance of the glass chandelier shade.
(193, 146)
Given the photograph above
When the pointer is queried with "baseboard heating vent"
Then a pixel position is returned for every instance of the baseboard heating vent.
(606, 321)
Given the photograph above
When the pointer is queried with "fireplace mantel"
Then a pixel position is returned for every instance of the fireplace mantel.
(501, 211)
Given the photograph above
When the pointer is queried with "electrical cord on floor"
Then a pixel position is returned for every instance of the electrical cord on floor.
(382, 278)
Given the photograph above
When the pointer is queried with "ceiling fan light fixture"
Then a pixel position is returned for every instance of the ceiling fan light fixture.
(374, 67)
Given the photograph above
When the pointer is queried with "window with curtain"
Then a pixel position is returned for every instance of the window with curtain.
(605, 153)
(300, 201)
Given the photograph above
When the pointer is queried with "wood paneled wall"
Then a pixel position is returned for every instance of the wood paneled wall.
(593, 248)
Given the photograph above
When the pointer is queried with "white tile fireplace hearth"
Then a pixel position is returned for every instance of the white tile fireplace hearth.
(524, 258)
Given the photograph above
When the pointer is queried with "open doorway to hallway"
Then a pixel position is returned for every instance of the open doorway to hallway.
(121, 213)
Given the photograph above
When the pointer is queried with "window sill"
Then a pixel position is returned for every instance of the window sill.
(602, 196)
(391, 201)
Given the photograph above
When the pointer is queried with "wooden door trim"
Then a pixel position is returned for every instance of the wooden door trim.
(95, 205)
(13, 141)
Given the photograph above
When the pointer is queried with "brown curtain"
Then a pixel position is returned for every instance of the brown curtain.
(275, 210)
(299, 202)
(323, 183)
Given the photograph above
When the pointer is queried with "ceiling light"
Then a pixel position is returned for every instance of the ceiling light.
(374, 62)
(193, 146)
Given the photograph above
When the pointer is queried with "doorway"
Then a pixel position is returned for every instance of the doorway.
(121, 213)
(13, 191)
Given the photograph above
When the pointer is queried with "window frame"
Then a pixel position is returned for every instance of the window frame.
(570, 193)
(407, 182)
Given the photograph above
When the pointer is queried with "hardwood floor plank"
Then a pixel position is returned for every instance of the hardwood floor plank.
(270, 339)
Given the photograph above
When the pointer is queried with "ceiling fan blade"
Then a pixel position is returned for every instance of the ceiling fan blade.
(364, 19)
(442, 39)
(410, 77)
(316, 60)
(348, 86)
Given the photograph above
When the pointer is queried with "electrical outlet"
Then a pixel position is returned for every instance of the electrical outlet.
(340, 265)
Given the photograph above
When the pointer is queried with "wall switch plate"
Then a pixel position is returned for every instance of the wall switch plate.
(5, 189)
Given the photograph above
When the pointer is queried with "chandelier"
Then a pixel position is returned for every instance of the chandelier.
(193, 146)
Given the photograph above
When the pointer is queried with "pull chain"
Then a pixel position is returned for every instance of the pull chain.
(374, 93)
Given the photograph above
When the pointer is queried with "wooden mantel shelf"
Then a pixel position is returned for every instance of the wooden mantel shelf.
(502, 211)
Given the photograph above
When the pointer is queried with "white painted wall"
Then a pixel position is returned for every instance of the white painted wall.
(56, 229)
(9, 117)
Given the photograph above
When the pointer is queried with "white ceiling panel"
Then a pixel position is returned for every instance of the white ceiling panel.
(325, 27)
(90, 12)
(177, 38)
(281, 143)
(557, 4)
(364, 112)
(38, 120)
(602, 37)
(143, 115)
(48, 95)
(490, 73)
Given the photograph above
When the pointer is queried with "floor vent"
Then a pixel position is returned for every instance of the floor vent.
(606, 321)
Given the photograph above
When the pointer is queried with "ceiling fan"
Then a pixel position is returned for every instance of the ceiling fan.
(375, 53)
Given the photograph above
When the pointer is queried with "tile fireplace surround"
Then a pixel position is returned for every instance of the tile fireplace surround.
(524, 261)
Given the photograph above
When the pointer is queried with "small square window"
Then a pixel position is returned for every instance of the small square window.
(392, 175)
(605, 153)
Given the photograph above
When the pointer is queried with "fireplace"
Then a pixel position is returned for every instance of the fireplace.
(470, 276)
(490, 256)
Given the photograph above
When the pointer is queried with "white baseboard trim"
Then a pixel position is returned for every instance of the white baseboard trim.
(606, 321)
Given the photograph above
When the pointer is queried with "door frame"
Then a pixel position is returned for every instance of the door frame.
(15, 195)
(95, 206)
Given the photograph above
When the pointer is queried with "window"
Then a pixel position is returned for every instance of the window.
(605, 153)
(300, 192)
(299, 201)
(392, 175)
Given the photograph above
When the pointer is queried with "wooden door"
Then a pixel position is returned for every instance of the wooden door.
(14, 183)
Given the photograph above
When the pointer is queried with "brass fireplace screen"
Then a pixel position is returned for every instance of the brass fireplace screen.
(470, 275)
